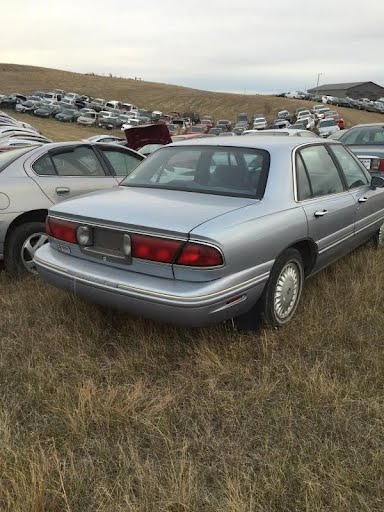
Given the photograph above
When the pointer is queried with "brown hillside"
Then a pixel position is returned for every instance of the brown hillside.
(165, 97)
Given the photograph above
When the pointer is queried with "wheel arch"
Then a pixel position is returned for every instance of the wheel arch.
(31, 216)
(308, 251)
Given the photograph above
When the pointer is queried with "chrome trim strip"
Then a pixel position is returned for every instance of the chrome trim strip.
(366, 226)
(142, 293)
(147, 233)
(337, 242)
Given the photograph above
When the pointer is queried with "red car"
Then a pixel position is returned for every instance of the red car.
(337, 117)
(208, 123)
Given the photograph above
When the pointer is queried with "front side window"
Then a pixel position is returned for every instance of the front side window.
(354, 174)
(206, 169)
(122, 163)
(323, 174)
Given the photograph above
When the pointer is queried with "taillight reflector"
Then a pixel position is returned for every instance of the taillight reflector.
(381, 165)
(61, 229)
(197, 255)
(154, 249)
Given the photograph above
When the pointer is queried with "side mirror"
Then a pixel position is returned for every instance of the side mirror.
(377, 182)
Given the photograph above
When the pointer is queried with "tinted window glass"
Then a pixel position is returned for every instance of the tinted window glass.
(44, 166)
(365, 135)
(122, 163)
(354, 174)
(229, 171)
(81, 161)
(303, 187)
(323, 174)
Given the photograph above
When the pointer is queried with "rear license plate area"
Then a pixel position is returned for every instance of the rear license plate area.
(110, 245)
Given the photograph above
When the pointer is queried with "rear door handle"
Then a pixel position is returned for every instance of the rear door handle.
(60, 191)
(363, 199)
(321, 213)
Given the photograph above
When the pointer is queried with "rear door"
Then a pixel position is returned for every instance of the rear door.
(69, 171)
(328, 205)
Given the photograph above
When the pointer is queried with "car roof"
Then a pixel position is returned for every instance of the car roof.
(368, 124)
(270, 143)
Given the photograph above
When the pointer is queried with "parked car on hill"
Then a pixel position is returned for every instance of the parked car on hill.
(281, 132)
(47, 110)
(367, 143)
(225, 124)
(260, 123)
(88, 119)
(68, 115)
(34, 178)
(26, 106)
(327, 126)
(258, 216)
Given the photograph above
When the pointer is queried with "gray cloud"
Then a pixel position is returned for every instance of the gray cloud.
(210, 44)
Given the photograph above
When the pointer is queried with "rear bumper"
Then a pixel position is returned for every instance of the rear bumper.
(184, 303)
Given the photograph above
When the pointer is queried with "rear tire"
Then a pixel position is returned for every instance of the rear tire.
(281, 295)
(23, 241)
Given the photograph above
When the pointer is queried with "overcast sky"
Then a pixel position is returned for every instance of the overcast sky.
(221, 45)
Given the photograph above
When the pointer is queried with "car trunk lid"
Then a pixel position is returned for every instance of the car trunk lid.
(165, 214)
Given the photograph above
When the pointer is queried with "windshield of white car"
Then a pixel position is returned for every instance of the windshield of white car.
(228, 171)
(327, 122)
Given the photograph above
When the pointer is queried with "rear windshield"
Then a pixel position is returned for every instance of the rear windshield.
(8, 157)
(230, 171)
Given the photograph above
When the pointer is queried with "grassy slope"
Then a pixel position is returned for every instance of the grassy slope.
(101, 411)
(15, 78)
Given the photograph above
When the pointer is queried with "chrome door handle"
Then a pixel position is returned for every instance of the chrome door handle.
(320, 213)
(363, 200)
(60, 191)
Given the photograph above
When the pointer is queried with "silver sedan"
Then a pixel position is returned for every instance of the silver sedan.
(212, 229)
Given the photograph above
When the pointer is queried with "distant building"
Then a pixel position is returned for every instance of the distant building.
(353, 90)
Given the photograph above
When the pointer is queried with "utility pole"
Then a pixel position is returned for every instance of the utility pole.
(318, 80)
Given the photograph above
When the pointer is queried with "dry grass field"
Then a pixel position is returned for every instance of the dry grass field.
(100, 411)
(165, 97)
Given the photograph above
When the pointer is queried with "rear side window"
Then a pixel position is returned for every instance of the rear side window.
(44, 166)
(303, 187)
(206, 169)
(80, 161)
(323, 174)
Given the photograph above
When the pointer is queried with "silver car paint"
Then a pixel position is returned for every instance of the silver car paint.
(251, 237)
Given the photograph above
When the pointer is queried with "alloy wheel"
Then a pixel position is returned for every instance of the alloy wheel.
(30, 246)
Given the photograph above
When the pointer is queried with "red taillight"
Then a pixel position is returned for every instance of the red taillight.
(381, 165)
(197, 255)
(61, 229)
(48, 229)
(154, 249)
